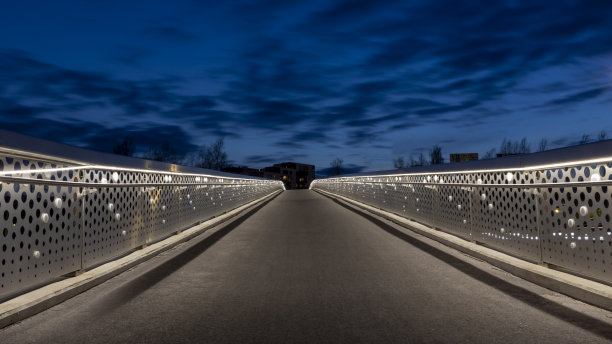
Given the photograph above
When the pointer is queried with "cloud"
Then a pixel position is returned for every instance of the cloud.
(132, 56)
(399, 52)
(346, 169)
(13, 111)
(44, 100)
(306, 136)
(273, 158)
(37, 81)
(339, 19)
(145, 137)
(289, 144)
(260, 159)
(371, 88)
(414, 103)
(374, 121)
(446, 109)
(361, 136)
(100, 138)
(262, 113)
(168, 33)
(405, 125)
(579, 97)
(327, 75)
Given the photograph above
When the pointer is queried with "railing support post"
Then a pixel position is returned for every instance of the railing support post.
(536, 193)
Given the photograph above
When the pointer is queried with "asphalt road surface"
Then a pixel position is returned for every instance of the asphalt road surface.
(306, 269)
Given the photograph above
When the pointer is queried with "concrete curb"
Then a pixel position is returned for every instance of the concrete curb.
(597, 294)
(36, 301)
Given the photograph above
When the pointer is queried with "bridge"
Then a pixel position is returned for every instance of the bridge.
(100, 248)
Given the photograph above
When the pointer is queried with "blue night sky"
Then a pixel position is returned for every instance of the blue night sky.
(366, 81)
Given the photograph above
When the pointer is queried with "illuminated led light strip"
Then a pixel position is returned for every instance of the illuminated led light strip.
(528, 168)
(18, 180)
(527, 186)
(45, 170)
(114, 168)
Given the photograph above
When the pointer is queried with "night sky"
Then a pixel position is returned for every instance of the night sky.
(310, 81)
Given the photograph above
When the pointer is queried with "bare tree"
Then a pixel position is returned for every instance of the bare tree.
(506, 147)
(125, 147)
(490, 154)
(509, 147)
(336, 166)
(163, 153)
(398, 163)
(585, 139)
(422, 161)
(542, 145)
(212, 157)
(436, 155)
(217, 155)
(602, 135)
(412, 161)
(524, 147)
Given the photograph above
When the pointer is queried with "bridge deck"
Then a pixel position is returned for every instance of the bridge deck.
(306, 269)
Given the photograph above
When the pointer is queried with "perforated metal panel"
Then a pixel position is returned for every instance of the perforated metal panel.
(56, 241)
(97, 213)
(575, 221)
(558, 215)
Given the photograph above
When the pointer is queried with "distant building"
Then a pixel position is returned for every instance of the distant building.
(460, 157)
(294, 175)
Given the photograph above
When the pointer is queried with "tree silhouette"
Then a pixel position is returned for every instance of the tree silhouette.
(542, 145)
(336, 166)
(422, 161)
(398, 163)
(163, 153)
(509, 147)
(524, 147)
(412, 161)
(436, 155)
(212, 157)
(602, 135)
(125, 147)
(584, 139)
(490, 154)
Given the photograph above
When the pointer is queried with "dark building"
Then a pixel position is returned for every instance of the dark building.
(459, 157)
(294, 175)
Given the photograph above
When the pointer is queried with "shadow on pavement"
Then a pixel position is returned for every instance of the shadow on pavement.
(140, 284)
(586, 322)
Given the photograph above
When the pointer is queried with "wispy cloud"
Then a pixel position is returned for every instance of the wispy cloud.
(169, 33)
(579, 96)
(313, 77)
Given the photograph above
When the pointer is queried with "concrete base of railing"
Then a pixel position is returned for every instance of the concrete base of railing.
(582, 289)
(36, 301)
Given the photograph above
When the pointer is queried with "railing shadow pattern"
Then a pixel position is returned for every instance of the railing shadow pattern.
(556, 214)
(57, 218)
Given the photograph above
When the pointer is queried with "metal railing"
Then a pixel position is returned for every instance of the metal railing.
(59, 215)
(551, 208)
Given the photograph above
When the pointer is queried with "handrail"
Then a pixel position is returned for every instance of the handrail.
(104, 185)
(108, 184)
(562, 218)
(63, 213)
(526, 186)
